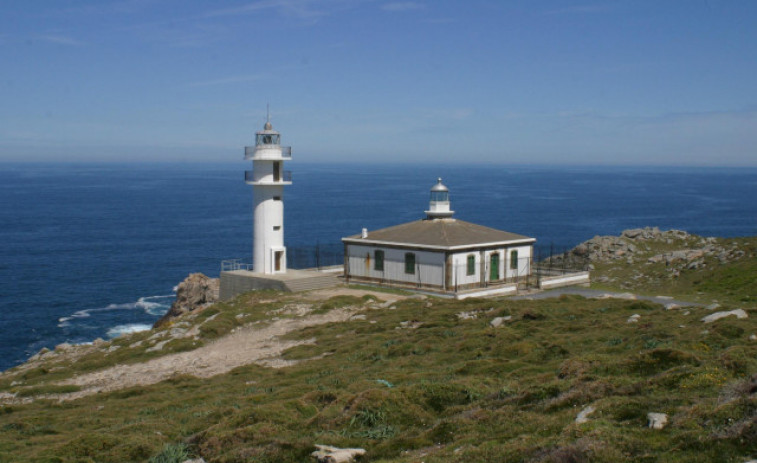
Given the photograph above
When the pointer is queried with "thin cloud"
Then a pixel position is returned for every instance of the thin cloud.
(61, 40)
(302, 9)
(403, 6)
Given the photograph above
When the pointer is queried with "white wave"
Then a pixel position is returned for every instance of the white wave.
(119, 330)
(153, 305)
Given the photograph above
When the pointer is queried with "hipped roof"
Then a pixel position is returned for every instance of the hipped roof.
(447, 234)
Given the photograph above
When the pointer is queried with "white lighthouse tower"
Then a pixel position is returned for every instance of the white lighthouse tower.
(268, 179)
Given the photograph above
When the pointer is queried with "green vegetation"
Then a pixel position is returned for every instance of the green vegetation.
(731, 282)
(417, 383)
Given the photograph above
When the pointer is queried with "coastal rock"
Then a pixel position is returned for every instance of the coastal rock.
(688, 253)
(329, 454)
(657, 420)
(195, 292)
(738, 313)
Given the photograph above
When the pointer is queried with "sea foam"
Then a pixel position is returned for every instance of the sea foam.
(119, 330)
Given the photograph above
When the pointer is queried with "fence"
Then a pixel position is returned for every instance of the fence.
(558, 260)
(547, 261)
(299, 257)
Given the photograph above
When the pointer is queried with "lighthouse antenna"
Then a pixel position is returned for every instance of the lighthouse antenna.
(267, 113)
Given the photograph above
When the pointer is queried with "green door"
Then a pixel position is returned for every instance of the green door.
(494, 267)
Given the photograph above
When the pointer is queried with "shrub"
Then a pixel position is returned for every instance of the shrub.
(171, 453)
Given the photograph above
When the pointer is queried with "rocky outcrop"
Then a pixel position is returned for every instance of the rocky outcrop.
(680, 250)
(197, 291)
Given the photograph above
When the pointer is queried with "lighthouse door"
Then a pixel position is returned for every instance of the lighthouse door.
(277, 255)
(276, 171)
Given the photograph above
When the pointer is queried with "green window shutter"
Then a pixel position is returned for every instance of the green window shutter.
(378, 261)
(471, 264)
(410, 263)
(514, 260)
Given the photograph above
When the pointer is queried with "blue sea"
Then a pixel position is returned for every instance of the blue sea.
(95, 250)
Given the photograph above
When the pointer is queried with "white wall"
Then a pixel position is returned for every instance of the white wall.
(460, 269)
(267, 214)
(460, 264)
(429, 265)
(524, 261)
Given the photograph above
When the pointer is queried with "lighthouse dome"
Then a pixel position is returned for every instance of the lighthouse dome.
(439, 186)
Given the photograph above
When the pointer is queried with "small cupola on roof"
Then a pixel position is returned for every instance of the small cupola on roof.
(438, 206)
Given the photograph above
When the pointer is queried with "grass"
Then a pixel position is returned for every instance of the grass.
(731, 283)
(439, 390)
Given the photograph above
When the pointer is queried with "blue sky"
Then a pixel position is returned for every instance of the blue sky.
(536, 82)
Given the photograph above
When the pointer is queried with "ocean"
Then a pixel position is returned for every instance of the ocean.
(96, 250)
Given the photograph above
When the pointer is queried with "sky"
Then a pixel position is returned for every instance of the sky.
(612, 82)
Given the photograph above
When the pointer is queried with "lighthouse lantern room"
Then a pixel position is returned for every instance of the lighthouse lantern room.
(268, 179)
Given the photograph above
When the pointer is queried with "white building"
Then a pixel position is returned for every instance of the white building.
(439, 253)
(268, 179)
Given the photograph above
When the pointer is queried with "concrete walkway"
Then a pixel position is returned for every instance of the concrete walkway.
(596, 294)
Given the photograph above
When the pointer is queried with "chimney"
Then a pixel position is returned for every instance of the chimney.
(365, 233)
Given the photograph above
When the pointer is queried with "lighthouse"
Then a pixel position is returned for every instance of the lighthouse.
(268, 179)
(438, 205)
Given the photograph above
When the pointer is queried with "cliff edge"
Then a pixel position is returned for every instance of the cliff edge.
(197, 291)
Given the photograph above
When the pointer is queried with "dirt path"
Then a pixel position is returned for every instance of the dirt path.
(256, 343)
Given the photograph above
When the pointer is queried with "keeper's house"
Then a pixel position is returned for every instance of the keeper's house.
(439, 253)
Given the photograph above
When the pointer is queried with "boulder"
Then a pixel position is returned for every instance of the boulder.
(499, 321)
(329, 454)
(196, 291)
(738, 313)
(657, 420)
(633, 233)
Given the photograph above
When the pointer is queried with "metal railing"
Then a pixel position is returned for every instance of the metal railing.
(286, 151)
(299, 257)
(229, 265)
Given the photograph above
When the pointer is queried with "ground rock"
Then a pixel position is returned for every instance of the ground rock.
(738, 313)
(583, 416)
(195, 292)
(633, 318)
(329, 454)
(657, 420)
(499, 321)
